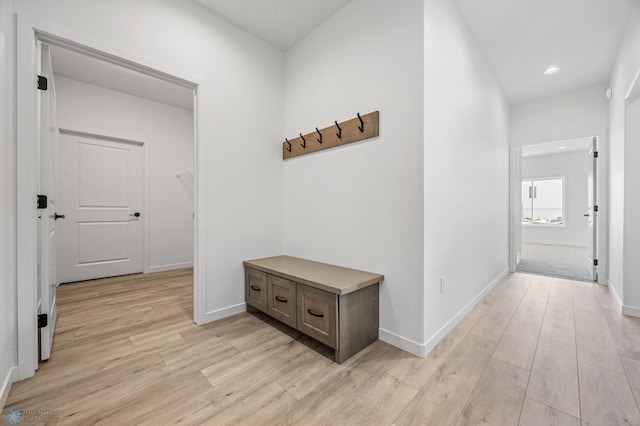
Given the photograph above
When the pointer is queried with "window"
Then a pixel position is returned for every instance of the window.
(543, 201)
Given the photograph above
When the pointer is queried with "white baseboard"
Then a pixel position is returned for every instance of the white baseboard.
(163, 268)
(6, 386)
(423, 349)
(633, 311)
(450, 325)
(612, 289)
(403, 343)
(225, 312)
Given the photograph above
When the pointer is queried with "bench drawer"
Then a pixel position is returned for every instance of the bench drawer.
(255, 288)
(318, 314)
(282, 300)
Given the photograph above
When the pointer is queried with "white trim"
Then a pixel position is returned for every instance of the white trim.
(225, 312)
(26, 243)
(171, 267)
(545, 243)
(6, 386)
(28, 30)
(423, 349)
(631, 311)
(636, 80)
(453, 322)
(408, 345)
(89, 134)
(199, 222)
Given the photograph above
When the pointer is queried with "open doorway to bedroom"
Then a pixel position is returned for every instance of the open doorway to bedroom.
(116, 162)
(558, 209)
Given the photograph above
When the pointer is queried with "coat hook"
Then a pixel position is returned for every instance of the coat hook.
(288, 149)
(304, 142)
(319, 140)
(361, 127)
(339, 134)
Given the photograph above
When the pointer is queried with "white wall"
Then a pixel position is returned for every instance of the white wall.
(8, 330)
(240, 99)
(168, 135)
(574, 167)
(466, 171)
(570, 115)
(624, 249)
(361, 205)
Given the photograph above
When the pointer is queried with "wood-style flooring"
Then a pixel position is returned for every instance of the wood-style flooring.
(536, 351)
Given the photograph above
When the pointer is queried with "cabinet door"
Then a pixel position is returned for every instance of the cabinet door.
(255, 288)
(318, 314)
(282, 299)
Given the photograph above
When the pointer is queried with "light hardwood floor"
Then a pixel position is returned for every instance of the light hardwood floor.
(536, 351)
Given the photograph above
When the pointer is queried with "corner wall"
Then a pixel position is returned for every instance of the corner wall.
(361, 205)
(167, 132)
(624, 200)
(466, 172)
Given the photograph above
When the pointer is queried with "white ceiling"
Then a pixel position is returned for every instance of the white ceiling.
(86, 69)
(560, 147)
(282, 23)
(521, 38)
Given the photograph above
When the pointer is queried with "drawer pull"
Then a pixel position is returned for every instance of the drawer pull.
(281, 299)
(254, 288)
(315, 314)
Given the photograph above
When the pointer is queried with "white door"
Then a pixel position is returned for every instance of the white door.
(592, 212)
(101, 195)
(47, 147)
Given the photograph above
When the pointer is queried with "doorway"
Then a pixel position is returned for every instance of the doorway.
(28, 169)
(556, 211)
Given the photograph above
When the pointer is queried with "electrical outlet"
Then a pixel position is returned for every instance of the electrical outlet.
(442, 282)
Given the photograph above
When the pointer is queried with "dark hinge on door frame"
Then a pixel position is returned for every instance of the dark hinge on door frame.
(595, 262)
(595, 154)
(43, 320)
(595, 208)
(43, 83)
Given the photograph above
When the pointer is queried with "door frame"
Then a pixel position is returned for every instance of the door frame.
(28, 30)
(515, 179)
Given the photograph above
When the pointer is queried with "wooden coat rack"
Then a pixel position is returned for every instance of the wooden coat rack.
(354, 130)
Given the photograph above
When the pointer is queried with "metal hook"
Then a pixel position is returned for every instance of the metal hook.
(339, 134)
(319, 140)
(304, 142)
(361, 127)
(287, 140)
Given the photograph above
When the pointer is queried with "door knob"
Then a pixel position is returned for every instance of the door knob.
(136, 214)
(57, 216)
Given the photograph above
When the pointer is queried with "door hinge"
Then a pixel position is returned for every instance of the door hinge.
(595, 262)
(595, 154)
(43, 83)
(43, 320)
(42, 201)
(595, 208)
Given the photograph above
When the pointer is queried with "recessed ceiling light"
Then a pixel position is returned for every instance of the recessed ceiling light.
(562, 147)
(551, 70)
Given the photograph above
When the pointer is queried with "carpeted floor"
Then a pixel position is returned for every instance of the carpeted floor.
(553, 268)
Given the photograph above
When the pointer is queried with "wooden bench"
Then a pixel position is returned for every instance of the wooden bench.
(336, 306)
